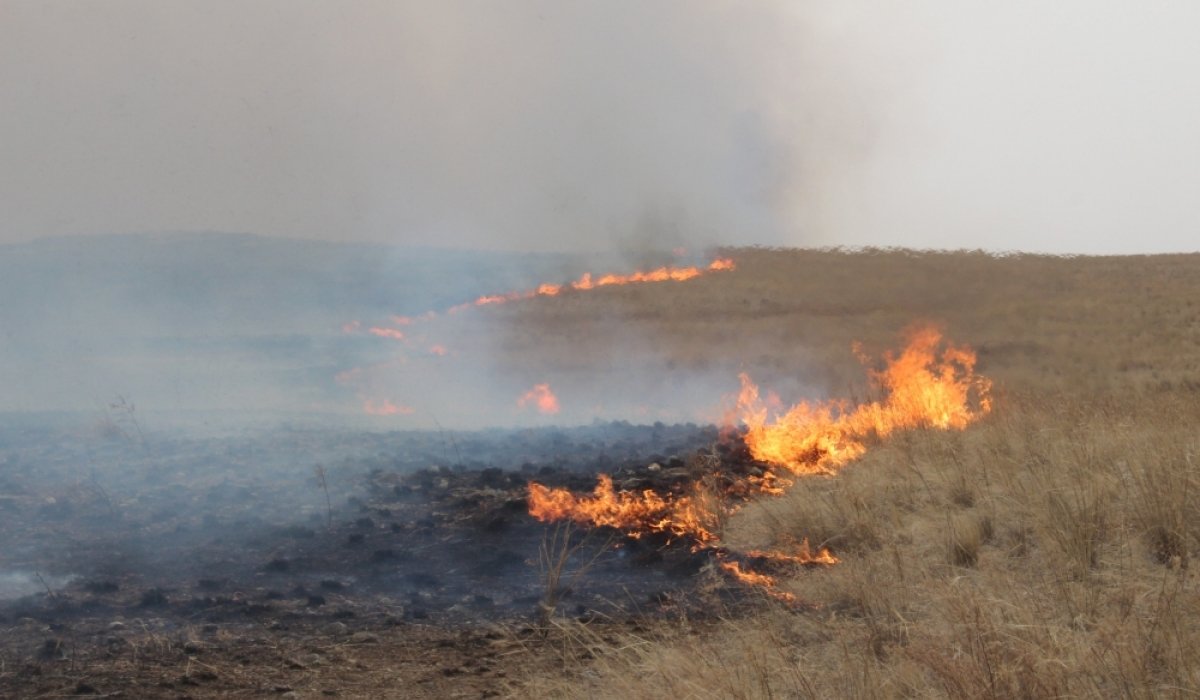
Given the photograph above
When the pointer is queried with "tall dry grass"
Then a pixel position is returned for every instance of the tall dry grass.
(1044, 552)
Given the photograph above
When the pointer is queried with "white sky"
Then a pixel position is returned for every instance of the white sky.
(1065, 126)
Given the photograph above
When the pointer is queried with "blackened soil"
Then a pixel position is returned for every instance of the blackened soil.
(289, 561)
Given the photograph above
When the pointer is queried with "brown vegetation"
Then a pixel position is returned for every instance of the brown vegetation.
(1045, 552)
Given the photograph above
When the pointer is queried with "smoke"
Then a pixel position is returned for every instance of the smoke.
(534, 125)
(596, 125)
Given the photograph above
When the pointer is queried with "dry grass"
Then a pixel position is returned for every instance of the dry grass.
(1044, 552)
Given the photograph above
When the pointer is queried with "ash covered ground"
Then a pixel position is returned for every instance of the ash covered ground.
(148, 563)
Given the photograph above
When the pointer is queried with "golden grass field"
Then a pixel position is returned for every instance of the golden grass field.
(1043, 552)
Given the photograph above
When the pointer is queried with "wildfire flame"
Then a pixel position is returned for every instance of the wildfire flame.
(925, 385)
(587, 282)
(381, 332)
(922, 388)
(541, 397)
(386, 408)
(638, 513)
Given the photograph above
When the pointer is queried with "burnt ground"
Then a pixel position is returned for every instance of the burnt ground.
(316, 562)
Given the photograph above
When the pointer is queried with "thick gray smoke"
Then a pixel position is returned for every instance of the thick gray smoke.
(531, 125)
(568, 126)
(592, 125)
(544, 124)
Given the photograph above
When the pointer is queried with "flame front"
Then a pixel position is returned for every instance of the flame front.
(587, 282)
(928, 384)
(636, 513)
(922, 388)
(405, 329)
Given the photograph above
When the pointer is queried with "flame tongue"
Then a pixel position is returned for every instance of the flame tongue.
(636, 513)
(922, 389)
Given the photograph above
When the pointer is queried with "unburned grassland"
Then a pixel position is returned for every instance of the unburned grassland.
(1047, 551)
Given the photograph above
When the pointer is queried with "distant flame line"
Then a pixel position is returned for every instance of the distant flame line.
(540, 396)
(588, 282)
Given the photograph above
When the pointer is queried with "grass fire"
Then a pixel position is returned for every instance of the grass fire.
(844, 485)
(920, 388)
(603, 349)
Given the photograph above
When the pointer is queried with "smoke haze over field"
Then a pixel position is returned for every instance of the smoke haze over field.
(1063, 127)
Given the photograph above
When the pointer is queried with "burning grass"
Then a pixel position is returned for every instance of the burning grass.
(925, 385)
(1045, 551)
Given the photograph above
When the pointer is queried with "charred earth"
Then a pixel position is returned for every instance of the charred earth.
(298, 560)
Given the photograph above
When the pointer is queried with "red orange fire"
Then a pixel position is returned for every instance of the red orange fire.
(381, 332)
(540, 397)
(587, 282)
(386, 408)
(928, 384)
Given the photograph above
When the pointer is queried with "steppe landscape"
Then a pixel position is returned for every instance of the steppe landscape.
(1042, 550)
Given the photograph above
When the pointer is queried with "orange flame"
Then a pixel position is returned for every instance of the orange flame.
(386, 408)
(381, 332)
(541, 397)
(922, 387)
(635, 513)
(752, 578)
(587, 282)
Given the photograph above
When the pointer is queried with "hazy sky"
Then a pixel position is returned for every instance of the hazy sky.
(1068, 126)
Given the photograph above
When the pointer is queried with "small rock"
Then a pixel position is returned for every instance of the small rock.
(336, 628)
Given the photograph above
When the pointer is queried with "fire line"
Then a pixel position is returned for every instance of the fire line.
(928, 384)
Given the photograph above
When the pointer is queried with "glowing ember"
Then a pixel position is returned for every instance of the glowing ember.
(386, 408)
(541, 397)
